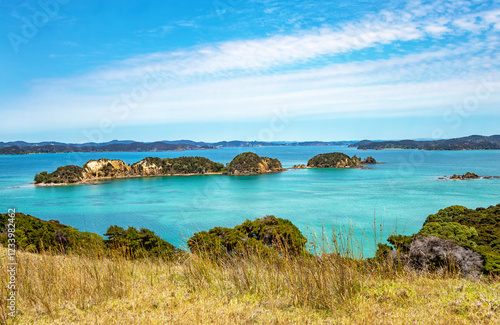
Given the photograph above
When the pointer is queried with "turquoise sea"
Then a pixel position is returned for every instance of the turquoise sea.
(399, 194)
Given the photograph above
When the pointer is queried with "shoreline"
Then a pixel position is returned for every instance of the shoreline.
(97, 181)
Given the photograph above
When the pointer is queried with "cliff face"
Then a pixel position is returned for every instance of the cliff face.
(148, 167)
(104, 168)
(249, 163)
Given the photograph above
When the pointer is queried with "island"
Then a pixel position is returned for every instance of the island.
(249, 163)
(467, 176)
(473, 142)
(105, 169)
(339, 160)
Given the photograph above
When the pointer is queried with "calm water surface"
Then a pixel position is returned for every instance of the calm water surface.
(400, 193)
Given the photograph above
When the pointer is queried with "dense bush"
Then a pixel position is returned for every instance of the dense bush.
(251, 163)
(267, 235)
(477, 229)
(36, 235)
(337, 160)
(181, 165)
(139, 243)
(63, 174)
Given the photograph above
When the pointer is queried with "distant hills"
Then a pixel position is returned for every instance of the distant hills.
(473, 142)
(22, 148)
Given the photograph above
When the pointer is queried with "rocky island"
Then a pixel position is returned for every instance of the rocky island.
(339, 160)
(466, 176)
(249, 163)
(104, 169)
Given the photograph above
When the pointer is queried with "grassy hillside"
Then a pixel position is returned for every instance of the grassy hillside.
(248, 289)
(242, 284)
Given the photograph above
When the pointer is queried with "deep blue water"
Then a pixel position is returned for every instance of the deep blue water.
(400, 193)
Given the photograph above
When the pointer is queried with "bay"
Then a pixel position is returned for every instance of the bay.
(394, 197)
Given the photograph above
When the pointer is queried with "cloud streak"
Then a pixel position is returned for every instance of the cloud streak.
(315, 72)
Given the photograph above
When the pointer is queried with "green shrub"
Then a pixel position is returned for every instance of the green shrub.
(267, 235)
(477, 229)
(139, 243)
(37, 235)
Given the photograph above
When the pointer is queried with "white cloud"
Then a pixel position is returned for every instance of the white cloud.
(249, 78)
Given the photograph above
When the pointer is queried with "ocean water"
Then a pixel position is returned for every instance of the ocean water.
(396, 196)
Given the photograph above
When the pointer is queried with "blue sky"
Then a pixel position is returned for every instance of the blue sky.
(79, 71)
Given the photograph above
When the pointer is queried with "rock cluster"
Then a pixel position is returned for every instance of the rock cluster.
(467, 175)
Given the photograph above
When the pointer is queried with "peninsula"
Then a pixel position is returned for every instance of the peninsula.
(473, 142)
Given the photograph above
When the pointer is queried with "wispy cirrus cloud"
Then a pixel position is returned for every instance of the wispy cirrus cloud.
(305, 71)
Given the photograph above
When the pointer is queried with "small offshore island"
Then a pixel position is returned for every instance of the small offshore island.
(339, 160)
(467, 176)
(244, 164)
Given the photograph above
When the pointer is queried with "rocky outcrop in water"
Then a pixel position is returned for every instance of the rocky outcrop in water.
(467, 176)
(338, 160)
(249, 163)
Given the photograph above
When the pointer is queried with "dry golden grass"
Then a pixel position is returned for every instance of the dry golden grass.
(54, 289)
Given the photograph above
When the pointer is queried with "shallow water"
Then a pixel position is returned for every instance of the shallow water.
(400, 193)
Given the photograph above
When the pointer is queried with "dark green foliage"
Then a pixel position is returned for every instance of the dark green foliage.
(12, 150)
(251, 163)
(485, 221)
(64, 174)
(267, 235)
(111, 147)
(181, 165)
(369, 160)
(477, 229)
(459, 234)
(139, 243)
(334, 160)
(401, 242)
(447, 214)
(36, 235)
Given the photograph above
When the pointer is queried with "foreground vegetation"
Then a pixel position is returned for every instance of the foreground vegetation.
(198, 289)
(477, 230)
(257, 272)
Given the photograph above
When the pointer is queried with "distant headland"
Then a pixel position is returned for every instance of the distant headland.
(24, 148)
(473, 142)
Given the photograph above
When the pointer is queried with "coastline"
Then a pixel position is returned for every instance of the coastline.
(96, 181)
